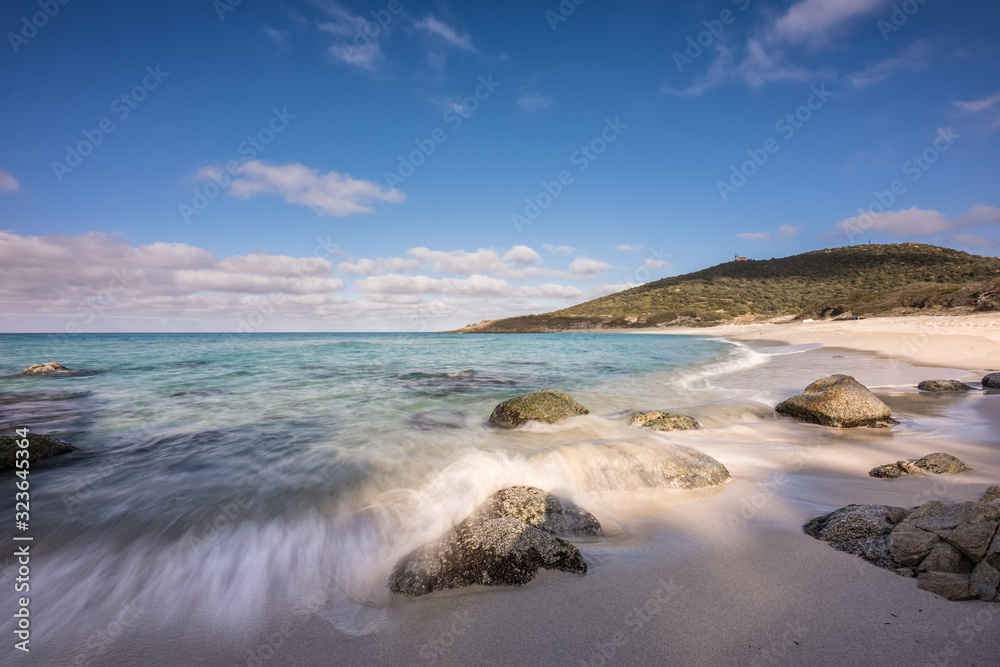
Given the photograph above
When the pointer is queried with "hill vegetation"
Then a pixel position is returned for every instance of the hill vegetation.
(854, 281)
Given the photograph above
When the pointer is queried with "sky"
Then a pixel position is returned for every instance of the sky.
(397, 165)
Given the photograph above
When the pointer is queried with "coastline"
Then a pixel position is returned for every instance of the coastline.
(970, 342)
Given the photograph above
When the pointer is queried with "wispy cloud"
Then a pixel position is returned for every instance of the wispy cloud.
(784, 232)
(355, 47)
(913, 58)
(330, 193)
(983, 104)
(977, 241)
(444, 33)
(629, 247)
(277, 36)
(8, 183)
(559, 250)
(918, 222)
(822, 19)
(532, 102)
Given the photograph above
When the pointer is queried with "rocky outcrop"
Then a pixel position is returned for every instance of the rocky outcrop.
(548, 406)
(943, 385)
(42, 369)
(937, 464)
(503, 543)
(991, 381)
(664, 421)
(840, 401)
(39, 447)
(952, 549)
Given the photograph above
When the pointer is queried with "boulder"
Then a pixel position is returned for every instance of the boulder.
(941, 464)
(991, 381)
(946, 558)
(894, 470)
(541, 510)
(855, 522)
(503, 543)
(943, 385)
(839, 401)
(947, 585)
(910, 545)
(664, 421)
(39, 447)
(42, 369)
(630, 465)
(546, 406)
(953, 549)
(985, 582)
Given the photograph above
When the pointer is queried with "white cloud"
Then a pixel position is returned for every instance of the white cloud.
(626, 247)
(787, 231)
(356, 47)
(459, 261)
(474, 285)
(559, 250)
(820, 19)
(532, 102)
(522, 255)
(277, 36)
(431, 25)
(982, 104)
(7, 182)
(977, 241)
(655, 264)
(380, 266)
(784, 232)
(918, 222)
(585, 266)
(913, 58)
(332, 193)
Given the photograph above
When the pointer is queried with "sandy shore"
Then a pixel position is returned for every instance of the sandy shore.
(968, 341)
(720, 576)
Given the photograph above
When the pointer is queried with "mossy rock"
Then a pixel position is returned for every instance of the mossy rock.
(39, 447)
(664, 421)
(547, 406)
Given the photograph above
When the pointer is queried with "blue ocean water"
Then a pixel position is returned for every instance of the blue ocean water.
(248, 466)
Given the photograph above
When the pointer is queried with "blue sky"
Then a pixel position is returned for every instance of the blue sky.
(405, 165)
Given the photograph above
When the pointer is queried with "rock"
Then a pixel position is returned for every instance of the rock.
(991, 381)
(943, 385)
(495, 552)
(973, 538)
(855, 522)
(947, 585)
(941, 464)
(910, 545)
(894, 470)
(987, 511)
(992, 493)
(541, 510)
(985, 582)
(992, 556)
(628, 465)
(39, 447)
(875, 550)
(946, 558)
(546, 406)
(664, 421)
(937, 516)
(41, 369)
(840, 401)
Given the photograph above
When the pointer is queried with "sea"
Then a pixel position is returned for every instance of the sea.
(220, 477)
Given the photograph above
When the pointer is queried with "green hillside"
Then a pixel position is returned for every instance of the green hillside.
(854, 281)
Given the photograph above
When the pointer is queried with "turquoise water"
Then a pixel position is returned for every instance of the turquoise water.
(250, 466)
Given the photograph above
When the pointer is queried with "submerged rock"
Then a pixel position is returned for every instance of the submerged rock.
(39, 447)
(937, 464)
(953, 549)
(548, 406)
(503, 543)
(664, 421)
(840, 401)
(991, 381)
(943, 385)
(541, 510)
(41, 369)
